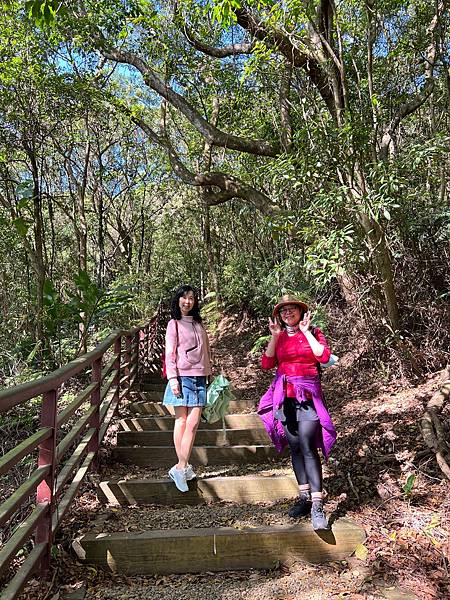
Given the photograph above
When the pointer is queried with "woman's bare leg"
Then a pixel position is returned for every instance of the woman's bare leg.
(179, 429)
(191, 425)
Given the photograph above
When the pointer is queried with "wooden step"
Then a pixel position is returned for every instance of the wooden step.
(217, 549)
(153, 407)
(154, 376)
(204, 437)
(164, 456)
(234, 421)
(152, 386)
(249, 489)
(154, 371)
(148, 408)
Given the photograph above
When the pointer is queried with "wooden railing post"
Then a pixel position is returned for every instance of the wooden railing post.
(127, 359)
(94, 421)
(136, 348)
(147, 346)
(141, 353)
(116, 381)
(46, 489)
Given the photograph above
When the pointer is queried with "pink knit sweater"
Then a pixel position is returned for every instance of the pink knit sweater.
(192, 356)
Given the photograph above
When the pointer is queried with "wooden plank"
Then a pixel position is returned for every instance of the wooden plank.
(153, 395)
(13, 456)
(73, 461)
(74, 433)
(22, 493)
(21, 535)
(30, 564)
(80, 399)
(151, 406)
(71, 491)
(109, 365)
(107, 384)
(249, 489)
(236, 421)
(148, 408)
(163, 456)
(153, 386)
(204, 437)
(218, 549)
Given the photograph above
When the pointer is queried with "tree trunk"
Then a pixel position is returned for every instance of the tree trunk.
(285, 116)
(81, 212)
(382, 264)
(39, 258)
(210, 253)
(101, 234)
(207, 161)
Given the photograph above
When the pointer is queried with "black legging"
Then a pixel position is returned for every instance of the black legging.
(301, 436)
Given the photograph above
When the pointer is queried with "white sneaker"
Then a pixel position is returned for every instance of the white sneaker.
(178, 476)
(190, 473)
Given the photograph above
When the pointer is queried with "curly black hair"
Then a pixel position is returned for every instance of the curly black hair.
(175, 311)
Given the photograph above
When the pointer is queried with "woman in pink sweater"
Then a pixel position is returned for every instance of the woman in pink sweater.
(188, 364)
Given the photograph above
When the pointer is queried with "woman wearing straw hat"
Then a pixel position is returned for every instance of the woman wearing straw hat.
(294, 405)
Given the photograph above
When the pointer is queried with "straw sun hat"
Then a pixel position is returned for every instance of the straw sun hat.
(288, 299)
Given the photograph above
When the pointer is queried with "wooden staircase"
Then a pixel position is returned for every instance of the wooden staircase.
(145, 439)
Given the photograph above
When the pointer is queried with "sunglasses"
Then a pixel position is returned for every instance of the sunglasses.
(287, 310)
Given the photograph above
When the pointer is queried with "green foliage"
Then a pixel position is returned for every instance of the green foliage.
(223, 11)
(260, 343)
(43, 12)
(407, 488)
(211, 312)
(92, 304)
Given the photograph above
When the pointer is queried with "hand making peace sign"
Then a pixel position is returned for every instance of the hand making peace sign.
(274, 327)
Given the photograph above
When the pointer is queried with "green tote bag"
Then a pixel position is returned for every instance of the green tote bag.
(218, 397)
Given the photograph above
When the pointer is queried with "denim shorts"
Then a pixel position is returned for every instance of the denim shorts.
(193, 392)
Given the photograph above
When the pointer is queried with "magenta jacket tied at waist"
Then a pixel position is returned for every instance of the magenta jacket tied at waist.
(274, 398)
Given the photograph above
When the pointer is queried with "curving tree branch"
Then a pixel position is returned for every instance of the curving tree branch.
(405, 109)
(282, 44)
(210, 133)
(432, 429)
(223, 51)
(229, 186)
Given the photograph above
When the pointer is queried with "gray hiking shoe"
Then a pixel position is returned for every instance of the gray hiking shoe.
(189, 471)
(178, 476)
(301, 508)
(318, 518)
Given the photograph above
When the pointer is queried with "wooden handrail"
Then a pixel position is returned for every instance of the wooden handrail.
(22, 493)
(111, 382)
(80, 399)
(109, 366)
(72, 463)
(12, 457)
(21, 535)
(19, 580)
(73, 434)
(25, 391)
